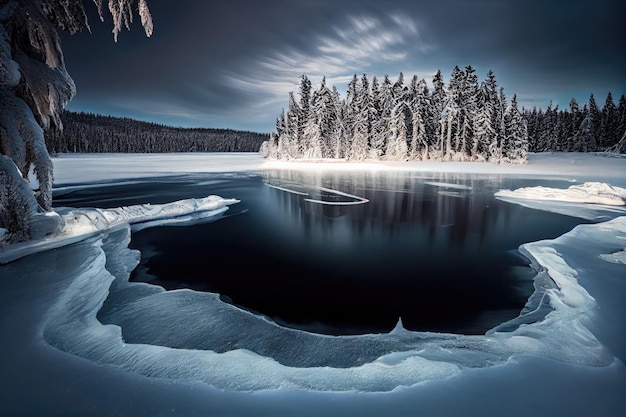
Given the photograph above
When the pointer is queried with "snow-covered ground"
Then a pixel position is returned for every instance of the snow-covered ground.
(56, 357)
(89, 168)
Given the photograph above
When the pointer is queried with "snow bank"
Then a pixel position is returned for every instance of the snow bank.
(592, 200)
(66, 226)
(589, 192)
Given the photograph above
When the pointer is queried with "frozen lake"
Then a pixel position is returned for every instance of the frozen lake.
(348, 252)
(186, 352)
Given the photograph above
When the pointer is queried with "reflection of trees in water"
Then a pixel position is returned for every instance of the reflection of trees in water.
(397, 201)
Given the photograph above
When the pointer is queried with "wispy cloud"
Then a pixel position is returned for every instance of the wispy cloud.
(359, 44)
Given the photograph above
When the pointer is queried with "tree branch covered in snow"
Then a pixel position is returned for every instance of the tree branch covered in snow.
(35, 88)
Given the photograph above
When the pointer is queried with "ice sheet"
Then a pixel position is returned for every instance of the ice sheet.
(73, 225)
(192, 336)
(592, 200)
(589, 193)
(537, 380)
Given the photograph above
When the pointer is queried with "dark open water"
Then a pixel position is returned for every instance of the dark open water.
(437, 250)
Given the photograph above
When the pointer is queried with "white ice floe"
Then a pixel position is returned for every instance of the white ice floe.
(65, 226)
(616, 257)
(313, 190)
(589, 193)
(448, 185)
(592, 200)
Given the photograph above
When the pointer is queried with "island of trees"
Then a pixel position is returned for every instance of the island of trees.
(462, 121)
(88, 132)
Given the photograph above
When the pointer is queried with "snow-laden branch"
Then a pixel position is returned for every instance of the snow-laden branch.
(35, 88)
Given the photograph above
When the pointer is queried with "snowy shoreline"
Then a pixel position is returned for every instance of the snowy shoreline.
(115, 167)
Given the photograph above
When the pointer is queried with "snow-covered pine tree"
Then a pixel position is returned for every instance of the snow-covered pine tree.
(350, 114)
(621, 117)
(377, 138)
(494, 149)
(398, 88)
(387, 104)
(35, 88)
(516, 141)
(304, 110)
(596, 118)
(610, 122)
(532, 118)
(336, 136)
(324, 114)
(397, 148)
(586, 141)
(282, 134)
(363, 123)
(575, 118)
(484, 133)
(421, 118)
(546, 131)
(438, 101)
(500, 124)
(452, 113)
(469, 94)
(293, 112)
(329, 120)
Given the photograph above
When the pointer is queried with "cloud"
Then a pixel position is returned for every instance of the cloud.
(354, 45)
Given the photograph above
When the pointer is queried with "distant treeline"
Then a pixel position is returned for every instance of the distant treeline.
(585, 128)
(93, 133)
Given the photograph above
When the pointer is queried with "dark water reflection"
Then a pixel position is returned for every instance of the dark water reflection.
(437, 250)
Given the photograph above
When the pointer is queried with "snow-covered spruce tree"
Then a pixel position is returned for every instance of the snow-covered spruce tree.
(586, 138)
(397, 148)
(336, 136)
(377, 139)
(484, 132)
(469, 94)
(610, 121)
(303, 114)
(350, 112)
(386, 103)
(438, 101)
(363, 122)
(516, 141)
(621, 117)
(34, 89)
(421, 120)
(396, 122)
(575, 118)
(596, 118)
(452, 112)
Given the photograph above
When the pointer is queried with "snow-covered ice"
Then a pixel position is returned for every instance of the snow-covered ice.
(592, 200)
(73, 225)
(570, 362)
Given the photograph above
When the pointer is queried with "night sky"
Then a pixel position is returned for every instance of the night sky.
(231, 64)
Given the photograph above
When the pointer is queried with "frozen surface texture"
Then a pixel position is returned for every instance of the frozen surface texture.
(66, 225)
(193, 336)
(86, 340)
